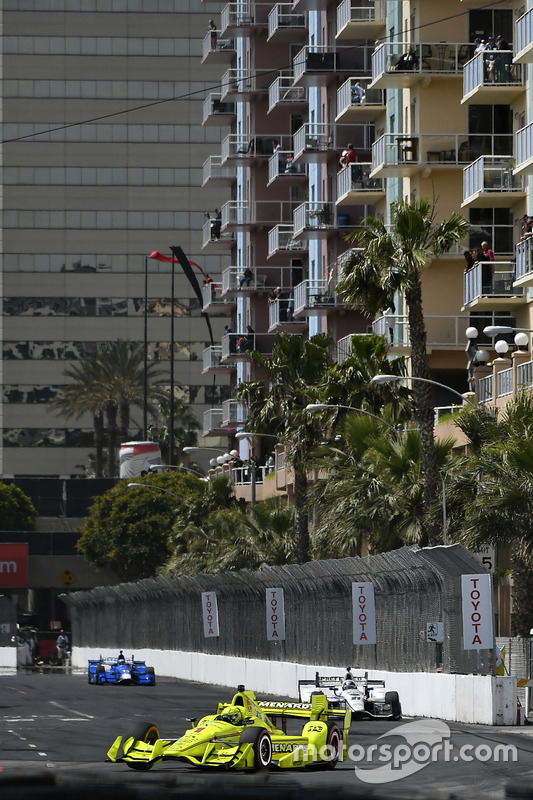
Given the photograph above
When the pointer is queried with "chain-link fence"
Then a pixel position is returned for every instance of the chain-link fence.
(412, 588)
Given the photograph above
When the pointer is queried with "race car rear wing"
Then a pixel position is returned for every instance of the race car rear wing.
(317, 708)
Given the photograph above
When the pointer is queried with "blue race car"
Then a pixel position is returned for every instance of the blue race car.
(120, 670)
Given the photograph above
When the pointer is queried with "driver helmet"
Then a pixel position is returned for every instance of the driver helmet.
(349, 685)
(231, 714)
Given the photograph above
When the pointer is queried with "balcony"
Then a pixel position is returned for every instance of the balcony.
(284, 25)
(404, 154)
(281, 240)
(262, 279)
(283, 94)
(315, 297)
(490, 285)
(314, 142)
(490, 182)
(357, 103)
(356, 187)
(524, 149)
(213, 301)
(244, 17)
(242, 84)
(355, 21)
(400, 65)
(213, 170)
(222, 53)
(212, 361)
(231, 351)
(223, 242)
(443, 332)
(310, 5)
(314, 219)
(233, 414)
(281, 316)
(246, 215)
(281, 165)
(524, 262)
(212, 423)
(319, 65)
(238, 147)
(492, 79)
(524, 38)
(217, 112)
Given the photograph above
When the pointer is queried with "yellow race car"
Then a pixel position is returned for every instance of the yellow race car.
(244, 734)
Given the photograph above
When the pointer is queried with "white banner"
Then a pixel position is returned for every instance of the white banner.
(364, 613)
(210, 613)
(477, 612)
(275, 615)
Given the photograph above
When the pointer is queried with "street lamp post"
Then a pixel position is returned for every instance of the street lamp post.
(152, 486)
(253, 475)
(312, 408)
(379, 379)
(156, 467)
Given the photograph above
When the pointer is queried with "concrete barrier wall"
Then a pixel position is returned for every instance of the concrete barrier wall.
(479, 699)
(8, 657)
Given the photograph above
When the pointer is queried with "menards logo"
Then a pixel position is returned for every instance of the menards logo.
(288, 747)
(265, 704)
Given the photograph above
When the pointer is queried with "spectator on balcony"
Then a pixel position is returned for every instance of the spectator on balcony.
(217, 224)
(349, 156)
(390, 320)
(358, 93)
(479, 46)
(270, 462)
(469, 258)
(490, 59)
(488, 255)
(485, 263)
(502, 63)
(212, 28)
(247, 278)
(526, 226)
(276, 148)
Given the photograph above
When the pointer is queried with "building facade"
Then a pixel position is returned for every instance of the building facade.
(102, 159)
(429, 115)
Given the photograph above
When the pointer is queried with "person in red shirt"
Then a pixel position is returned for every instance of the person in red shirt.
(487, 252)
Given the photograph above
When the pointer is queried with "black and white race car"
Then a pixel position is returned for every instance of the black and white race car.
(365, 698)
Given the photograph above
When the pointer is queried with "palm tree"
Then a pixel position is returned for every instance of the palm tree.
(391, 260)
(371, 492)
(293, 372)
(107, 383)
(186, 426)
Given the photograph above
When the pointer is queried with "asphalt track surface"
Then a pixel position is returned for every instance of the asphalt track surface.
(56, 729)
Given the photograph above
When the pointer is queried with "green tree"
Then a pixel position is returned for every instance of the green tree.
(107, 384)
(186, 427)
(293, 372)
(499, 508)
(371, 489)
(128, 530)
(16, 509)
(390, 261)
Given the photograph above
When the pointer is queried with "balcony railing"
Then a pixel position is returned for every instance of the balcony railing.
(524, 148)
(314, 137)
(314, 295)
(281, 313)
(283, 164)
(314, 58)
(355, 100)
(214, 170)
(233, 413)
(239, 147)
(442, 330)
(404, 63)
(355, 178)
(224, 48)
(255, 279)
(283, 18)
(212, 421)
(491, 175)
(485, 389)
(524, 260)
(212, 360)
(524, 37)
(314, 216)
(282, 92)
(216, 110)
(244, 82)
(351, 12)
(492, 68)
(248, 213)
(261, 342)
(224, 240)
(490, 279)
(408, 151)
(244, 15)
(281, 239)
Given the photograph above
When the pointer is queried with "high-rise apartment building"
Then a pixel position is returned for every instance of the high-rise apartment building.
(429, 114)
(102, 156)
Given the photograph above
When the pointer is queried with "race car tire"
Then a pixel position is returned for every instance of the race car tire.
(143, 732)
(100, 670)
(393, 700)
(151, 671)
(262, 746)
(89, 676)
(334, 744)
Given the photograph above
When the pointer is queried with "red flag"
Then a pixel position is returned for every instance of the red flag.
(157, 256)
